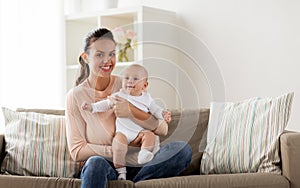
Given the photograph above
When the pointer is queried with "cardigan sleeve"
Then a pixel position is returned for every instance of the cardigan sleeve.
(79, 148)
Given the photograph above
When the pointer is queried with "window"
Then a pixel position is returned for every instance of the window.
(31, 54)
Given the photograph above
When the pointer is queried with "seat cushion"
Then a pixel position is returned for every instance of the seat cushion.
(52, 182)
(253, 180)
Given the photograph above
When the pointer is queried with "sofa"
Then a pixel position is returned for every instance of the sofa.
(196, 121)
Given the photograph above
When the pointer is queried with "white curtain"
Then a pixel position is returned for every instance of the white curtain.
(32, 73)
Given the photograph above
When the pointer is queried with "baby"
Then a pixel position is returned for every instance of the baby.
(134, 85)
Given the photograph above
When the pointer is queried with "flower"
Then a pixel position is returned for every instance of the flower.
(125, 40)
(119, 35)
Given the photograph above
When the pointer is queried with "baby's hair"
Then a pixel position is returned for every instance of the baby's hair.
(141, 68)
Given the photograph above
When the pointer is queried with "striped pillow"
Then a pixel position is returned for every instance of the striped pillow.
(243, 137)
(36, 145)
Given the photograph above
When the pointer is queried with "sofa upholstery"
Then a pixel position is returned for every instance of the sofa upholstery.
(289, 147)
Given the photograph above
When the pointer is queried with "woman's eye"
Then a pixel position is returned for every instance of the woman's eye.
(100, 55)
(126, 78)
(112, 54)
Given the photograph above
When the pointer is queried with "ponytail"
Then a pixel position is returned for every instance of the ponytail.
(84, 71)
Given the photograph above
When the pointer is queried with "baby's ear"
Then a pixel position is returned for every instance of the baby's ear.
(145, 85)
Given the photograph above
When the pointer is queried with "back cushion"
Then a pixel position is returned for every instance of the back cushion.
(190, 126)
(42, 111)
(36, 145)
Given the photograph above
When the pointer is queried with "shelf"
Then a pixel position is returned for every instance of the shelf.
(77, 25)
(124, 64)
(72, 66)
(118, 64)
(118, 12)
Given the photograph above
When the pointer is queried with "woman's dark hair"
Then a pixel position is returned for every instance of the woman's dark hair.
(90, 39)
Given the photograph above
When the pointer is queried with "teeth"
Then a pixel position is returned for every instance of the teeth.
(106, 68)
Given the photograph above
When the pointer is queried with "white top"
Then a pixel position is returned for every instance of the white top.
(143, 102)
(126, 126)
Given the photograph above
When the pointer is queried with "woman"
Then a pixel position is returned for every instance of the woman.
(90, 135)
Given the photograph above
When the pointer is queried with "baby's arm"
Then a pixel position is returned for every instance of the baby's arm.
(164, 117)
(159, 113)
(87, 106)
(156, 110)
(167, 115)
(100, 106)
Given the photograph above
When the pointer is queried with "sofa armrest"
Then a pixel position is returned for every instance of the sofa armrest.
(290, 156)
(2, 148)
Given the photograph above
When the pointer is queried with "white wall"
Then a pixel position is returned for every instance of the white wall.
(31, 68)
(32, 72)
(255, 43)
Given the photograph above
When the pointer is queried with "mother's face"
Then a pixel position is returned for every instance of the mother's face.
(101, 57)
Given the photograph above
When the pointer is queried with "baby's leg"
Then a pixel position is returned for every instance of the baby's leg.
(148, 142)
(119, 148)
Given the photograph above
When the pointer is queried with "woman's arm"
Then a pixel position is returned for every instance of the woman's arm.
(125, 109)
(80, 149)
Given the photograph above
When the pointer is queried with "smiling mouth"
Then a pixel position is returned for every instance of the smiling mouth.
(105, 68)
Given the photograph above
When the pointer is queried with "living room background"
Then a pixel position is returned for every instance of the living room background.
(255, 44)
(31, 74)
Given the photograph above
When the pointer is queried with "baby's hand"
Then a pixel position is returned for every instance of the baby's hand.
(86, 106)
(167, 116)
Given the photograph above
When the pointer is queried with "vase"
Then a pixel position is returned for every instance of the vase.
(122, 56)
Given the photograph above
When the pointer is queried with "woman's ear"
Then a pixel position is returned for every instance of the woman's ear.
(84, 57)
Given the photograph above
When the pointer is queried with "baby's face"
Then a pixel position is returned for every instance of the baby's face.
(134, 81)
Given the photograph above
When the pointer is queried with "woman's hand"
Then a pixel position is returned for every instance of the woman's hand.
(121, 107)
(124, 109)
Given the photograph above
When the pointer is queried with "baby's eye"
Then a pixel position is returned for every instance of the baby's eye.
(126, 78)
(135, 78)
